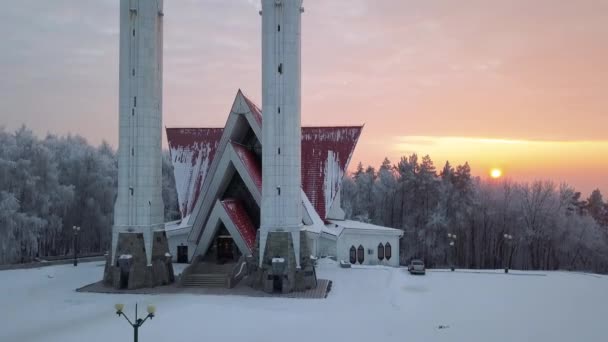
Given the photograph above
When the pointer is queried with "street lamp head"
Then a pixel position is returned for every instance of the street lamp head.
(454, 236)
(451, 243)
(151, 310)
(119, 308)
(449, 235)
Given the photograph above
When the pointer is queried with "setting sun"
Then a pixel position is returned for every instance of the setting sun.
(496, 173)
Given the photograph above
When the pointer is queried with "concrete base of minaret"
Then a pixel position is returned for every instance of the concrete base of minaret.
(278, 271)
(130, 268)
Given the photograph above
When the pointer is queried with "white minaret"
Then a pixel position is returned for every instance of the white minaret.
(281, 83)
(139, 206)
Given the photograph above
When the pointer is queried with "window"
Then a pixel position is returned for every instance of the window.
(133, 32)
(279, 28)
(131, 189)
(353, 254)
(280, 68)
(133, 111)
(381, 251)
(279, 150)
(135, 101)
(387, 251)
(360, 254)
(279, 190)
(132, 151)
(279, 110)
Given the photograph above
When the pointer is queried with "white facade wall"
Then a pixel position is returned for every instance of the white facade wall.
(178, 238)
(139, 206)
(281, 133)
(369, 241)
(327, 246)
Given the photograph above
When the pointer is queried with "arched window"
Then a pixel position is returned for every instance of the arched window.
(360, 254)
(388, 251)
(380, 251)
(353, 255)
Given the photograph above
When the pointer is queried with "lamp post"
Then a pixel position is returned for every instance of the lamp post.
(76, 229)
(138, 321)
(452, 239)
(508, 238)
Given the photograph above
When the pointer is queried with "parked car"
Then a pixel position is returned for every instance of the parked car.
(416, 266)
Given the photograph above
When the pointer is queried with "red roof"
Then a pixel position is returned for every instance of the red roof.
(191, 151)
(251, 163)
(326, 152)
(238, 215)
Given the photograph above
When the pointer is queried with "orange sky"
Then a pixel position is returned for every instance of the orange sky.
(514, 84)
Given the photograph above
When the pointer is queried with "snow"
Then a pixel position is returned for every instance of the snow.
(370, 303)
(278, 260)
(349, 224)
(125, 256)
(333, 178)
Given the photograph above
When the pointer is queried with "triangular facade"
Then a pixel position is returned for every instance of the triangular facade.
(221, 174)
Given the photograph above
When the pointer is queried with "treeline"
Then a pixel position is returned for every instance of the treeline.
(49, 185)
(551, 225)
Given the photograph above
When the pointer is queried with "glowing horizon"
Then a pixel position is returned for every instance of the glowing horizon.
(573, 162)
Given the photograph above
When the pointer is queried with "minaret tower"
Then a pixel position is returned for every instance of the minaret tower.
(281, 209)
(281, 92)
(138, 238)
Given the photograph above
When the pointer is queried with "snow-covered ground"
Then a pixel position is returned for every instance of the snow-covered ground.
(365, 304)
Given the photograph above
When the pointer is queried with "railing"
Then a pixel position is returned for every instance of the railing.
(237, 273)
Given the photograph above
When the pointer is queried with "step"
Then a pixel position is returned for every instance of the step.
(205, 280)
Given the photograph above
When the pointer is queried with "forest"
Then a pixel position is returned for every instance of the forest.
(49, 185)
(451, 218)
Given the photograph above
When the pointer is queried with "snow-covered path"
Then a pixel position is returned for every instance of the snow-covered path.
(365, 304)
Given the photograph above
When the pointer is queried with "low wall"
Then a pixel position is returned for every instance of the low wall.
(51, 263)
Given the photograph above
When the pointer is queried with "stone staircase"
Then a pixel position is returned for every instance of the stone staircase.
(205, 280)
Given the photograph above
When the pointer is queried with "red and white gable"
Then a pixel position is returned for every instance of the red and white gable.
(326, 153)
(207, 159)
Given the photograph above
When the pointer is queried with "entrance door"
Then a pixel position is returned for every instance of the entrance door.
(225, 249)
(182, 254)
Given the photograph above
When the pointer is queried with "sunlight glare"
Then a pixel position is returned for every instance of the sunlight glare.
(496, 173)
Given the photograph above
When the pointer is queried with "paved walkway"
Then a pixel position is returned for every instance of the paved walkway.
(321, 291)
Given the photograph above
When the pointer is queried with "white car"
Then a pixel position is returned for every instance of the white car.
(416, 267)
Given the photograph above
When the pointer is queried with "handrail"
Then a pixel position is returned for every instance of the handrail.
(241, 269)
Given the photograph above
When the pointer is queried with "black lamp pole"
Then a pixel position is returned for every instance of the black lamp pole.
(75, 229)
(452, 244)
(138, 321)
(508, 240)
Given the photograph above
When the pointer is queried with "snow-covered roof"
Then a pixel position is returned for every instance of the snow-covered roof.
(191, 150)
(326, 153)
(178, 227)
(339, 227)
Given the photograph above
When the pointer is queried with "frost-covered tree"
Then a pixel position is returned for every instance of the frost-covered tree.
(49, 185)
(552, 227)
